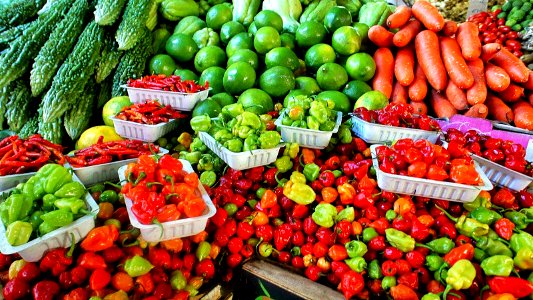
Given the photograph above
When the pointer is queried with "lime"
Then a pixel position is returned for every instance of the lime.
(186, 74)
(208, 57)
(181, 47)
(239, 77)
(293, 93)
(245, 55)
(268, 18)
(372, 100)
(342, 103)
(240, 41)
(346, 40)
(331, 76)
(361, 66)
(355, 89)
(307, 84)
(362, 30)
(277, 81)
(224, 99)
(214, 76)
(208, 107)
(112, 107)
(229, 30)
(266, 39)
(288, 40)
(91, 135)
(281, 56)
(217, 15)
(162, 64)
(252, 29)
(337, 17)
(318, 55)
(256, 101)
(310, 33)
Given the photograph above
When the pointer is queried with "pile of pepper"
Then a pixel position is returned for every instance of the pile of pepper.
(304, 112)
(172, 83)
(26, 155)
(150, 112)
(206, 162)
(398, 115)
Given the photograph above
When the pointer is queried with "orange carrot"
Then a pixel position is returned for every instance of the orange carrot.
(529, 84)
(384, 75)
(404, 65)
(455, 63)
(456, 96)
(498, 110)
(428, 55)
(407, 33)
(512, 93)
(401, 15)
(450, 28)
(419, 87)
(523, 115)
(489, 50)
(419, 107)
(399, 93)
(442, 106)
(468, 39)
(380, 36)
(428, 14)
(516, 69)
(497, 79)
(477, 111)
(477, 93)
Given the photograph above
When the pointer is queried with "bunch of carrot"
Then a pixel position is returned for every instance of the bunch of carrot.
(430, 62)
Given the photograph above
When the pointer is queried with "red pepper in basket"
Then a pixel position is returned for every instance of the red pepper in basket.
(45, 290)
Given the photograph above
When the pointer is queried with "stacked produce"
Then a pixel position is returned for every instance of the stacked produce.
(27, 155)
(172, 83)
(398, 115)
(304, 112)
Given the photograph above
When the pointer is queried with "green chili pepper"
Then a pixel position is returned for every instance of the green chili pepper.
(18, 233)
(232, 110)
(137, 266)
(369, 233)
(73, 205)
(345, 134)
(58, 218)
(56, 179)
(485, 215)
(234, 145)
(319, 111)
(72, 189)
(434, 262)
(374, 270)
(205, 163)
(441, 245)
(291, 150)
(468, 226)
(519, 219)
(269, 139)
(387, 282)
(283, 164)
(358, 264)
(109, 196)
(178, 280)
(201, 123)
(4, 213)
(198, 145)
(18, 207)
(480, 201)
(460, 276)
(430, 296)
(497, 265)
(48, 202)
(311, 171)
(356, 249)
(521, 240)
(400, 240)
(299, 124)
(33, 188)
(250, 143)
(493, 235)
(524, 259)
(479, 255)
(390, 215)
(249, 119)
(493, 247)
(347, 214)
(45, 228)
(208, 178)
(35, 219)
(260, 192)
(528, 212)
(202, 251)
(312, 123)
(324, 215)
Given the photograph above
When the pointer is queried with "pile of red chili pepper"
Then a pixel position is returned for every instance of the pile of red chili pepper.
(493, 30)
(398, 115)
(172, 83)
(161, 190)
(150, 112)
(27, 155)
(106, 152)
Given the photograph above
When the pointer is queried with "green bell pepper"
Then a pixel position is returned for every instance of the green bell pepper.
(200, 123)
(17, 207)
(485, 215)
(56, 179)
(269, 139)
(48, 202)
(250, 143)
(356, 249)
(208, 178)
(524, 259)
(198, 145)
(311, 171)
(72, 204)
(291, 150)
(312, 123)
(498, 265)
(519, 219)
(358, 264)
(234, 145)
(58, 218)
(324, 215)
(319, 110)
(374, 13)
(232, 110)
(35, 219)
(137, 266)
(18, 233)
(400, 240)
(347, 214)
(283, 164)
(434, 262)
(72, 189)
(460, 276)
(374, 270)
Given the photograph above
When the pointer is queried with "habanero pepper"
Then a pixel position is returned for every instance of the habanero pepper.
(493, 247)
(524, 259)
(137, 266)
(57, 260)
(518, 287)
(297, 190)
(91, 261)
(520, 220)
(460, 276)
(497, 265)
(100, 238)
(468, 226)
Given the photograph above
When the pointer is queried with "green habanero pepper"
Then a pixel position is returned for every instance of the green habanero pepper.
(205, 163)
(498, 265)
(178, 280)
(45, 228)
(479, 255)
(35, 219)
(234, 145)
(528, 212)
(441, 245)
(18, 233)
(137, 266)
(430, 296)
(324, 215)
(286, 121)
(434, 262)
(201, 123)
(48, 202)
(29, 188)
(312, 123)
(269, 139)
(295, 112)
(299, 124)
(519, 219)
(374, 270)
(369, 233)
(198, 145)
(460, 276)
(58, 218)
(524, 259)
(387, 282)
(55, 180)
(291, 150)
(72, 189)
(242, 131)
(347, 214)
(223, 135)
(493, 247)
(319, 111)
(249, 119)
(485, 215)
(192, 157)
(73, 205)
(208, 178)
(356, 249)
(468, 226)
(283, 164)
(232, 110)
(18, 207)
(311, 171)
(297, 177)
(482, 200)
(329, 125)
(358, 264)
(109, 196)
(400, 240)
(250, 143)
(345, 134)
(298, 192)
(521, 240)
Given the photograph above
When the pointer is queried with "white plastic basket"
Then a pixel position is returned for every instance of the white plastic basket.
(241, 160)
(177, 100)
(307, 138)
(105, 172)
(143, 132)
(377, 133)
(503, 176)
(172, 229)
(59, 238)
(10, 181)
(444, 190)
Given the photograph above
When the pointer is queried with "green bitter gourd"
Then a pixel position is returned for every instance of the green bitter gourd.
(133, 22)
(18, 112)
(107, 11)
(77, 119)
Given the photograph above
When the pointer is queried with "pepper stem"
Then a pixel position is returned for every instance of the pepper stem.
(72, 246)
(448, 215)
(277, 180)
(113, 184)
(446, 291)
(424, 246)
(156, 222)
(150, 184)
(142, 175)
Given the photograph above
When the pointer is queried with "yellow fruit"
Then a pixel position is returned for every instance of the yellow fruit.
(90, 136)
(113, 107)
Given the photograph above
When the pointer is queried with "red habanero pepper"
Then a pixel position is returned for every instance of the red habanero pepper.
(91, 261)
(99, 279)
(504, 228)
(45, 290)
(347, 193)
(419, 231)
(352, 283)
(57, 260)
(332, 163)
(159, 257)
(504, 198)
(518, 287)
(78, 293)
(167, 213)
(465, 251)
(100, 238)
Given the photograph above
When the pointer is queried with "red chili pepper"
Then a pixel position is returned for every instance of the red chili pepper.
(99, 279)
(91, 261)
(352, 283)
(515, 286)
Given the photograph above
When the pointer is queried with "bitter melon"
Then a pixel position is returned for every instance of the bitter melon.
(4, 97)
(51, 131)
(151, 21)
(17, 112)
(12, 33)
(133, 23)
(107, 11)
(104, 92)
(16, 12)
(109, 59)
(58, 46)
(73, 74)
(30, 127)
(76, 120)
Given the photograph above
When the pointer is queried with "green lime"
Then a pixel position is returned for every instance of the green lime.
(346, 40)
(256, 101)
(337, 17)
(217, 15)
(331, 76)
(209, 56)
(362, 30)
(288, 40)
(281, 56)
(372, 100)
(229, 30)
(239, 77)
(266, 39)
(342, 103)
(245, 55)
(112, 107)
(318, 55)
(252, 29)
(293, 93)
(240, 41)
(181, 47)
(208, 107)
(355, 89)
(268, 18)
(310, 33)
(361, 66)
(224, 99)
(162, 64)
(307, 84)
(277, 81)
(214, 76)
(186, 74)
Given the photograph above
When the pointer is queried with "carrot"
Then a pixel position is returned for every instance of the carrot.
(450, 28)
(456, 96)
(529, 84)
(399, 93)
(384, 75)
(401, 15)
(419, 87)
(455, 63)
(419, 107)
(516, 69)
(468, 39)
(407, 33)
(380, 36)
(497, 79)
(404, 65)
(477, 93)
(489, 50)
(477, 111)
(523, 115)
(498, 110)
(443, 107)
(428, 55)
(512, 93)
(428, 14)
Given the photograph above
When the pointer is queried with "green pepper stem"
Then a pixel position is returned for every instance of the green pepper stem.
(150, 184)
(84, 211)
(424, 246)
(113, 184)
(277, 180)
(446, 291)
(142, 175)
(156, 222)
(134, 243)
(448, 215)
(72, 246)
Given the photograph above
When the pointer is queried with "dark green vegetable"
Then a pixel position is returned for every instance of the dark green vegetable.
(109, 58)
(77, 118)
(4, 98)
(12, 33)
(133, 23)
(107, 12)
(18, 113)
(52, 131)
(104, 92)
(30, 127)
(16, 12)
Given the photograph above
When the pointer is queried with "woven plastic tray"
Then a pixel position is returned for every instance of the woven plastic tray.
(429, 188)
(60, 238)
(503, 176)
(10, 181)
(241, 160)
(307, 138)
(179, 101)
(143, 132)
(172, 229)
